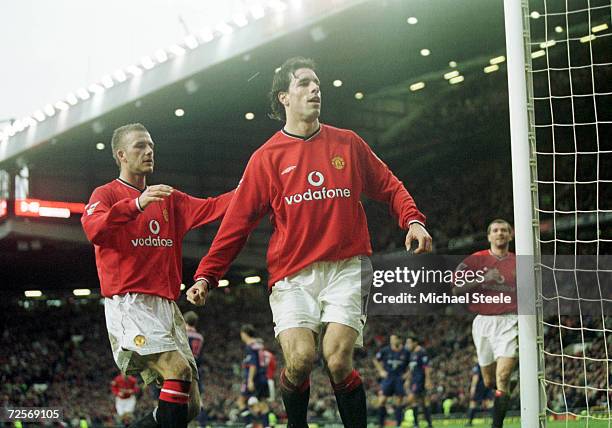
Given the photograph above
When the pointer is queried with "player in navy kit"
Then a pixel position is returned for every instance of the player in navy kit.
(479, 394)
(196, 343)
(420, 379)
(391, 362)
(255, 373)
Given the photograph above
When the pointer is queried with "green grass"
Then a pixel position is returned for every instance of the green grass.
(515, 423)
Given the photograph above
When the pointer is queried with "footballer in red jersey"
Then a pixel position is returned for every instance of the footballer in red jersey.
(495, 328)
(125, 388)
(309, 179)
(137, 231)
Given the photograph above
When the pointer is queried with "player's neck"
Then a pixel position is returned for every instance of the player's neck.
(499, 251)
(301, 128)
(137, 180)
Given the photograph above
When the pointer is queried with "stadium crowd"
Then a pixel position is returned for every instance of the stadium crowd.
(59, 356)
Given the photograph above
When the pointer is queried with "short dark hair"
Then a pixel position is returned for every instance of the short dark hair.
(413, 337)
(282, 80)
(120, 133)
(249, 330)
(498, 220)
(191, 318)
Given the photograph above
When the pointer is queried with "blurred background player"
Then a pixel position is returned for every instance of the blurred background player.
(309, 177)
(137, 231)
(495, 328)
(391, 362)
(420, 380)
(125, 388)
(196, 342)
(270, 362)
(479, 394)
(255, 375)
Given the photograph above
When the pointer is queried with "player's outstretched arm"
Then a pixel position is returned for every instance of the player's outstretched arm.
(379, 368)
(198, 292)
(416, 232)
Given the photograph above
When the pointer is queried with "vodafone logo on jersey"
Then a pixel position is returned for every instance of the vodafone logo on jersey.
(316, 179)
(153, 241)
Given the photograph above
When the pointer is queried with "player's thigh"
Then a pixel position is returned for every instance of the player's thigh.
(338, 341)
(386, 388)
(398, 388)
(299, 347)
(504, 368)
(171, 365)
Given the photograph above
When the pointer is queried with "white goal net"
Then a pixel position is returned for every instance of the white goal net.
(569, 43)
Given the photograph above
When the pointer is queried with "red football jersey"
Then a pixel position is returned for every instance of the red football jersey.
(140, 251)
(485, 260)
(270, 362)
(311, 189)
(124, 387)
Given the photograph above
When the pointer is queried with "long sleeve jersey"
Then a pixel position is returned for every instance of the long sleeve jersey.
(139, 251)
(311, 189)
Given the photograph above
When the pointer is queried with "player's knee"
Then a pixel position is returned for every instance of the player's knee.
(339, 364)
(300, 363)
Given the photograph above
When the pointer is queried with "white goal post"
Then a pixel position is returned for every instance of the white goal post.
(525, 217)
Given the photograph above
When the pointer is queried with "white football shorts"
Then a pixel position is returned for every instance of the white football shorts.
(125, 405)
(321, 293)
(142, 325)
(495, 336)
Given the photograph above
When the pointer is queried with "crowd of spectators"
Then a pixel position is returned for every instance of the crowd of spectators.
(60, 356)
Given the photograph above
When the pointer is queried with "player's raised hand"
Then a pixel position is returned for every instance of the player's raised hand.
(197, 293)
(154, 193)
(418, 233)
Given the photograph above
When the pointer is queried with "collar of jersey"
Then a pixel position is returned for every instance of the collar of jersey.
(125, 183)
(307, 138)
(498, 257)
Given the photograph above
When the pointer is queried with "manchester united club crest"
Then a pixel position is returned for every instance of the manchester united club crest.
(139, 340)
(338, 162)
(165, 214)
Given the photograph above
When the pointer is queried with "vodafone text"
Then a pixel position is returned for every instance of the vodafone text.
(310, 195)
(151, 241)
